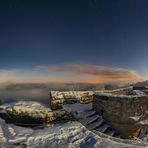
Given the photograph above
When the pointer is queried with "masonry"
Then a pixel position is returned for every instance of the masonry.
(58, 98)
(124, 110)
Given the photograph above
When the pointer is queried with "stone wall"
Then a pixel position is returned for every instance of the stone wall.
(34, 117)
(121, 91)
(125, 113)
(58, 98)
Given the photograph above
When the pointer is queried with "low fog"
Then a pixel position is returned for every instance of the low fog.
(40, 92)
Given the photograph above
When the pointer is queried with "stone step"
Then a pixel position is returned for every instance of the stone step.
(3, 139)
(117, 135)
(1, 132)
(110, 132)
(89, 120)
(89, 114)
(6, 132)
(89, 110)
(93, 121)
(102, 128)
(11, 130)
(95, 124)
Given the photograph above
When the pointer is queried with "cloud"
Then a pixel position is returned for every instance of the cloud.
(69, 73)
(95, 73)
(6, 75)
(4, 72)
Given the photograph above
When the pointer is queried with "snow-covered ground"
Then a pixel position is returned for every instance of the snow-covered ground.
(64, 135)
(32, 108)
(79, 108)
(26, 105)
(68, 135)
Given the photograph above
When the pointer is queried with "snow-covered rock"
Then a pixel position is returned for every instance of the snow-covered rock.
(62, 135)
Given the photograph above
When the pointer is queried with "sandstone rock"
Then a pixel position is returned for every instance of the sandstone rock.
(119, 109)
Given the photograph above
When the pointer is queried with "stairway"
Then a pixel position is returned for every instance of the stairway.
(94, 122)
(6, 132)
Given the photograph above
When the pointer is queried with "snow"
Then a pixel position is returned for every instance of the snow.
(64, 135)
(26, 105)
(136, 93)
(67, 135)
(35, 109)
(75, 94)
(78, 108)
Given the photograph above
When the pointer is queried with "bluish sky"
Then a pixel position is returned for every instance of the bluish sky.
(110, 33)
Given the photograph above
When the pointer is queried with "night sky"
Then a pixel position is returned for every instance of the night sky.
(78, 40)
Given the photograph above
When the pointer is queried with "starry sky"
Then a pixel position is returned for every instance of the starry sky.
(93, 41)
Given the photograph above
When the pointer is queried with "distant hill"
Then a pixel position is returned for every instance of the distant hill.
(141, 84)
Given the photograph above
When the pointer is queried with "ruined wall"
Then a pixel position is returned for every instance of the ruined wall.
(57, 98)
(121, 91)
(34, 117)
(118, 110)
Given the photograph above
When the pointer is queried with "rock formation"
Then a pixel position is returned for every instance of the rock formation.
(57, 98)
(125, 110)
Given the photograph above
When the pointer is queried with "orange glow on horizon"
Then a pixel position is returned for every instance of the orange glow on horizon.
(60, 80)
